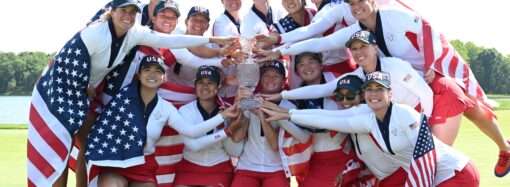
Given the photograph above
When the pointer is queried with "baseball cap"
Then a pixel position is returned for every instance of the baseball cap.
(198, 10)
(210, 72)
(152, 60)
(378, 77)
(350, 82)
(316, 56)
(363, 36)
(164, 4)
(275, 64)
(124, 3)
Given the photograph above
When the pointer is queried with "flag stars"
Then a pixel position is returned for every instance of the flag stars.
(117, 118)
(96, 139)
(127, 146)
(126, 123)
(105, 121)
(109, 113)
(140, 143)
(114, 150)
(109, 136)
(105, 145)
(131, 115)
(122, 132)
(60, 110)
(77, 52)
(118, 141)
(122, 109)
(135, 129)
(126, 101)
(131, 137)
(100, 130)
(114, 127)
(71, 121)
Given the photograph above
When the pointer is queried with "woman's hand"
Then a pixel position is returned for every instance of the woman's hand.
(267, 40)
(274, 115)
(271, 97)
(231, 112)
(267, 55)
(225, 41)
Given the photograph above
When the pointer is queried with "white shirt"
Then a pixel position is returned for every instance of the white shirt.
(223, 26)
(207, 150)
(403, 131)
(97, 38)
(257, 153)
(253, 25)
(407, 86)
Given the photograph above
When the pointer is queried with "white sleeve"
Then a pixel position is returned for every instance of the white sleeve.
(294, 130)
(182, 126)
(233, 148)
(321, 22)
(196, 144)
(311, 91)
(159, 40)
(415, 83)
(360, 123)
(337, 40)
(185, 57)
(361, 109)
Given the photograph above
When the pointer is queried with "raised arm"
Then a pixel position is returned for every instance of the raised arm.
(355, 124)
(321, 22)
(361, 109)
(311, 91)
(144, 36)
(334, 41)
(187, 58)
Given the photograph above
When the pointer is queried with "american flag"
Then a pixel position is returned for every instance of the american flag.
(58, 108)
(423, 166)
(118, 135)
(170, 146)
(285, 25)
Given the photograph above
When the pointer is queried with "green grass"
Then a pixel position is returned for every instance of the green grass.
(470, 141)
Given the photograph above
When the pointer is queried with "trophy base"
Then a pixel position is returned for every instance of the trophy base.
(248, 104)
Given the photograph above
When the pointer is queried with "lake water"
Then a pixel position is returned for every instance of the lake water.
(14, 109)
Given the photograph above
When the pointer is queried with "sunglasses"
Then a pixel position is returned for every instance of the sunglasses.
(349, 96)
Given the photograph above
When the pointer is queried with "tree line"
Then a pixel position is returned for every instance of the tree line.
(19, 71)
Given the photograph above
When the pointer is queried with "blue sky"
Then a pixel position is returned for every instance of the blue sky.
(35, 25)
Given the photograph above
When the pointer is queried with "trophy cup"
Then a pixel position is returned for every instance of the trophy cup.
(248, 74)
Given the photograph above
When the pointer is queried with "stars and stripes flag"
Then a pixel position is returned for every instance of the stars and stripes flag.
(118, 135)
(423, 165)
(58, 108)
(285, 25)
(170, 146)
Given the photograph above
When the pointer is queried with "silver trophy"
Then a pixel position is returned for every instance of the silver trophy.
(248, 74)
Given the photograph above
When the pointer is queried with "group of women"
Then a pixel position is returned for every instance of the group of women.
(353, 93)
